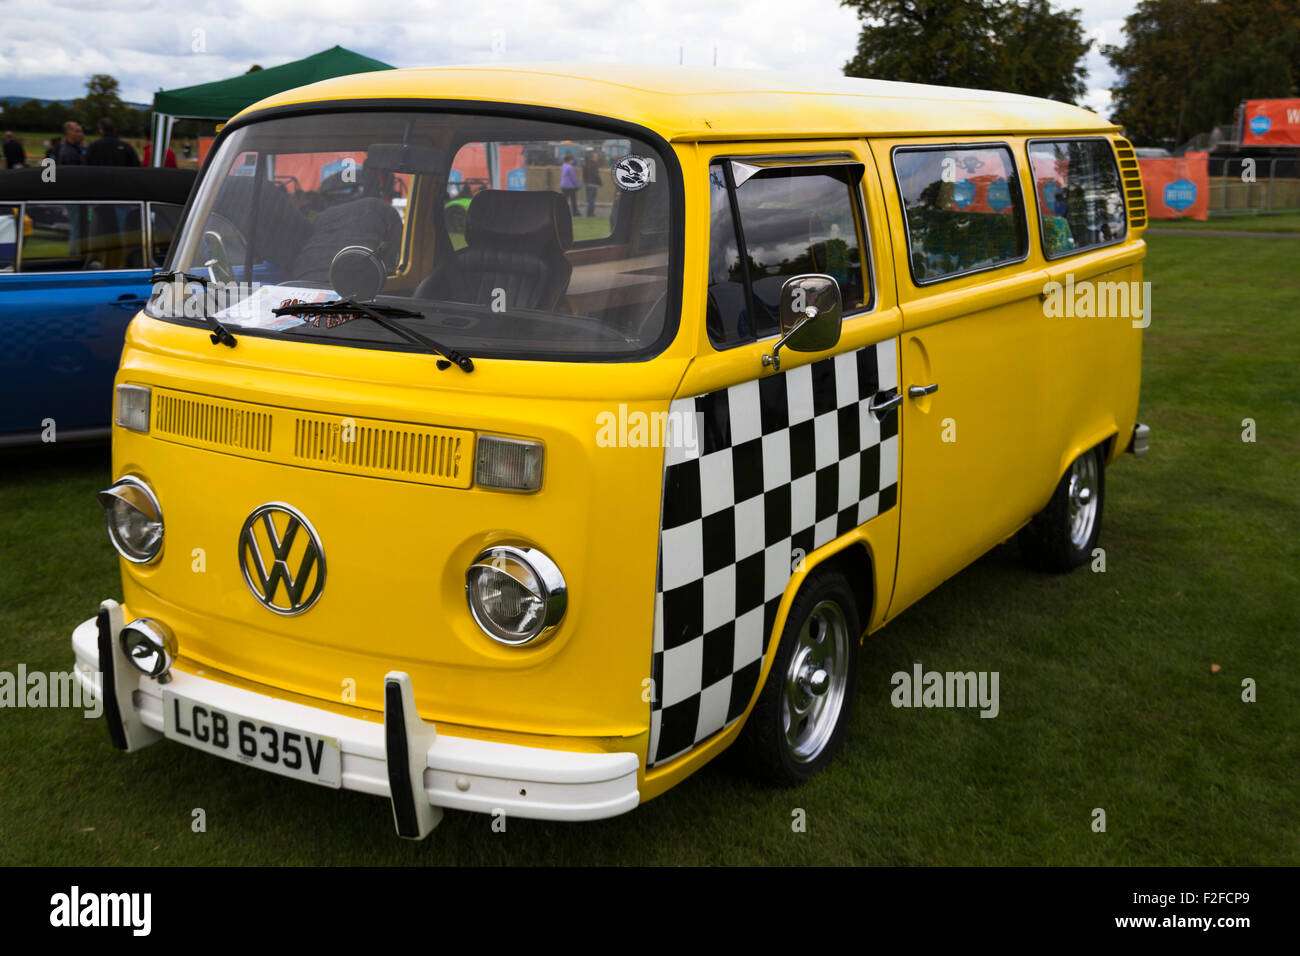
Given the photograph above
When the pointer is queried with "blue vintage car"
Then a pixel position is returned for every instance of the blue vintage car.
(76, 254)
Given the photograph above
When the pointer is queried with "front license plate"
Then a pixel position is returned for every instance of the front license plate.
(257, 743)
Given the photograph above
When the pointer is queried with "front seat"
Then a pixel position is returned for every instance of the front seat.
(515, 241)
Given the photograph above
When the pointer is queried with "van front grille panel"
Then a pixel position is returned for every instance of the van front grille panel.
(402, 451)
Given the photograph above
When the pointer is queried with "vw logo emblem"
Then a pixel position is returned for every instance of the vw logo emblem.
(282, 558)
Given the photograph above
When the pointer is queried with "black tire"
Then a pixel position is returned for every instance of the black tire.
(1054, 540)
(764, 750)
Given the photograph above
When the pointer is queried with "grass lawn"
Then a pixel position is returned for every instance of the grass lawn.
(1107, 695)
(1262, 222)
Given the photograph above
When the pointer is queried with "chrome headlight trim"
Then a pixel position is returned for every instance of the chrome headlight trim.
(150, 646)
(136, 494)
(551, 591)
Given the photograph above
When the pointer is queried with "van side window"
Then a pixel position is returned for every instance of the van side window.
(793, 221)
(964, 209)
(1080, 197)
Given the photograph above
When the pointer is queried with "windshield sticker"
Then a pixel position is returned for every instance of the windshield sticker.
(255, 311)
(634, 172)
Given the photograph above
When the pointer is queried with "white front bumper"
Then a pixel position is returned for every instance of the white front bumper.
(459, 773)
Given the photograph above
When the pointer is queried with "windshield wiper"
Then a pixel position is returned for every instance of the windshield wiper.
(380, 314)
(220, 334)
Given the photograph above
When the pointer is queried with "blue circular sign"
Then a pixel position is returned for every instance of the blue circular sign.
(1260, 125)
(517, 178)
(963, 193)
(1180, 194)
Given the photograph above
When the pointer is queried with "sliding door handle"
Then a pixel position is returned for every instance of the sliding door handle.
(880, 406)
(920, 391)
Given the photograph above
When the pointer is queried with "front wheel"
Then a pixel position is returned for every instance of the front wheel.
(1063, 535)
(802, 714)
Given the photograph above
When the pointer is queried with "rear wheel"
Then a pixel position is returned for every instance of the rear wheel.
(1063, 535)
(802, 714)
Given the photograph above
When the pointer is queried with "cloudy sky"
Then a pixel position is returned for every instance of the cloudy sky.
(49, 47)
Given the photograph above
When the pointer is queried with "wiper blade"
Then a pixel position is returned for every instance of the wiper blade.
(380, 315)
(220, 334)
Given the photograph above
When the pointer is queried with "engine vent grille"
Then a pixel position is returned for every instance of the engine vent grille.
(1134, 197)
(402, 451)
(411, 452)
(212, 422)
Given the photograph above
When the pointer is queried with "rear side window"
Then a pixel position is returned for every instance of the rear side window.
(793, 221)
(70, 237)
(1080, 197)
(964, 209)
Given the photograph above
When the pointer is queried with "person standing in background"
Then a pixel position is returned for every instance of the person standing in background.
(69, 153)
(52, 150)
(591, 179)
(169, 157)
(108, 150)
(569, 182)
(15, 155)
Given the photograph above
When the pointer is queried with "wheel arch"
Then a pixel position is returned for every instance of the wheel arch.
(1104, 435)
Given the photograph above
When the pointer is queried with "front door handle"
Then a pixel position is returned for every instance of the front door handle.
(880, 407)
(920, 391)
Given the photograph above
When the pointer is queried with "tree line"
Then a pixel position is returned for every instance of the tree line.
(1182, 65)
(102, 99)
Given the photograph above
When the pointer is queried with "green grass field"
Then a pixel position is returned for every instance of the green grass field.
(1262, 222)
(1107, 695)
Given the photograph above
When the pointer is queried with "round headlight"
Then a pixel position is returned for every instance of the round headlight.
(134, 519)
(515, 594)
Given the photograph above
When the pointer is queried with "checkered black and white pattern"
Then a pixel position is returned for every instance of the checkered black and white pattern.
(783, 465)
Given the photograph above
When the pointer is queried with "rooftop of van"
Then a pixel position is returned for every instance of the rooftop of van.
(685, 103)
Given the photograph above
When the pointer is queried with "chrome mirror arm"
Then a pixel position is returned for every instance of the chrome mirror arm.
(774, 359)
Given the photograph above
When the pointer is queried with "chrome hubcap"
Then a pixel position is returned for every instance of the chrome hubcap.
(815, 682)
(1082, 499)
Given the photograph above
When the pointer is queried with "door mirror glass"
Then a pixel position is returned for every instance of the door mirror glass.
(811, 313)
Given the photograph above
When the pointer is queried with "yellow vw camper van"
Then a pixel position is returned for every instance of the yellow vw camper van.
(516, 440)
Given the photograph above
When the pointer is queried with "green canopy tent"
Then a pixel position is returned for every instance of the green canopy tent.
(224, 98)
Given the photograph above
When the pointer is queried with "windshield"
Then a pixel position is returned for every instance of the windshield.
(502, 236)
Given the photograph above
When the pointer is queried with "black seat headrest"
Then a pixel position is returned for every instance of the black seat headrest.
(497, 215)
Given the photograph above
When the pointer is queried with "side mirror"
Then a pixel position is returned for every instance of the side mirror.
(811, 313)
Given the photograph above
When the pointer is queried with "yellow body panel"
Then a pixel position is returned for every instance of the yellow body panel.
(1026, 394)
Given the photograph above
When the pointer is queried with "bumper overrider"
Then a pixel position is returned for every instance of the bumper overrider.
(405, 758)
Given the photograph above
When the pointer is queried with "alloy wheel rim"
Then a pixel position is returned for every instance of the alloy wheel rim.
(815, 683)
(1082, 500)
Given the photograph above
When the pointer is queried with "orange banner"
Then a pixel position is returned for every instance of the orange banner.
(1176, 188)
(1272, 123)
